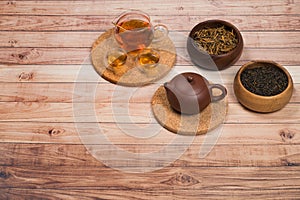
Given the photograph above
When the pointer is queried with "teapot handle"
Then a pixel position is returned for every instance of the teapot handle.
(219, 97)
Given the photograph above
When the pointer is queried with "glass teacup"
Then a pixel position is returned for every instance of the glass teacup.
(133, 30)
(115, 60)
(147, 61)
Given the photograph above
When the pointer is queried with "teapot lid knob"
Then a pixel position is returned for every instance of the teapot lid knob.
(190, 79)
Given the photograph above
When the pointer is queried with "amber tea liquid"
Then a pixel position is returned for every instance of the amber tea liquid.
(116, 59)
(134, 34)
(148, 58)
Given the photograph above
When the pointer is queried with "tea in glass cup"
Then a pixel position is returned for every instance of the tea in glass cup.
(134, 31)
(115, 59)
(147, 60)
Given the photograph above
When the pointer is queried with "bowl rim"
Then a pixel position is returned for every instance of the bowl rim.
(226, 24)
(248, 64)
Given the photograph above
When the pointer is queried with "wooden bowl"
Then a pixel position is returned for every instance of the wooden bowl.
(261, 103)
(214, 62)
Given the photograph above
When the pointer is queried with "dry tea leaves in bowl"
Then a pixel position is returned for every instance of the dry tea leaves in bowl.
(215, 41)
(263, 86)
(266, 80)
(214, 44)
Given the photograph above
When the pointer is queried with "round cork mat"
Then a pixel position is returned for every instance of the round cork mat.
(211, 117)
(129, 74)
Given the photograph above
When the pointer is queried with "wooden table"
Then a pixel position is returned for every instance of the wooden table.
(44, 45)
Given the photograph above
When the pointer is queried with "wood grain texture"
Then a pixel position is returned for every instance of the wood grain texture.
(11, 73)
(161, 180)
(62, 56)
(111, 7)
(104, 92)
(80, 39)
(44, 46)
(125, 113)
(184, 23)
(143, 194)
(239, 155)
(67, 133)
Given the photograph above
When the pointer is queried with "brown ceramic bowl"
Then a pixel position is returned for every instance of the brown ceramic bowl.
(214, 62)
(261, 103)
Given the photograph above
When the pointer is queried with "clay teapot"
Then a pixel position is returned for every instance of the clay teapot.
(190, 93)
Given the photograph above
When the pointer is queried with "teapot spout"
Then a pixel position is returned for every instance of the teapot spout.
(172, 96)
(169, 87)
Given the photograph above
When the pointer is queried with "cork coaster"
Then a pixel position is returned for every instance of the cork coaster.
(211, 117)
(128, 74)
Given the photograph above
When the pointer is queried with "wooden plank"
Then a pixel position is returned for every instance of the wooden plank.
(286, 56)
(145, 194)
(238, 114)
(48, 39)
(126, 113)
(271, 39)
(85, 39)
(223, 178)
(226, 7)
(150, 157)
(66, 133)
(104, 92)
(174, 23)
(44, 73)
(44, 55)
(86, 73)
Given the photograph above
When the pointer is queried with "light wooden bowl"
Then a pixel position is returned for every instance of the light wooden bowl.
(261, 103)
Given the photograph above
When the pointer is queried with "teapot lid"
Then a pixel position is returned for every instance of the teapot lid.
(189, 83)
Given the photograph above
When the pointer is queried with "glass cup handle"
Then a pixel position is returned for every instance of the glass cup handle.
(219, 97)
(160, 31)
